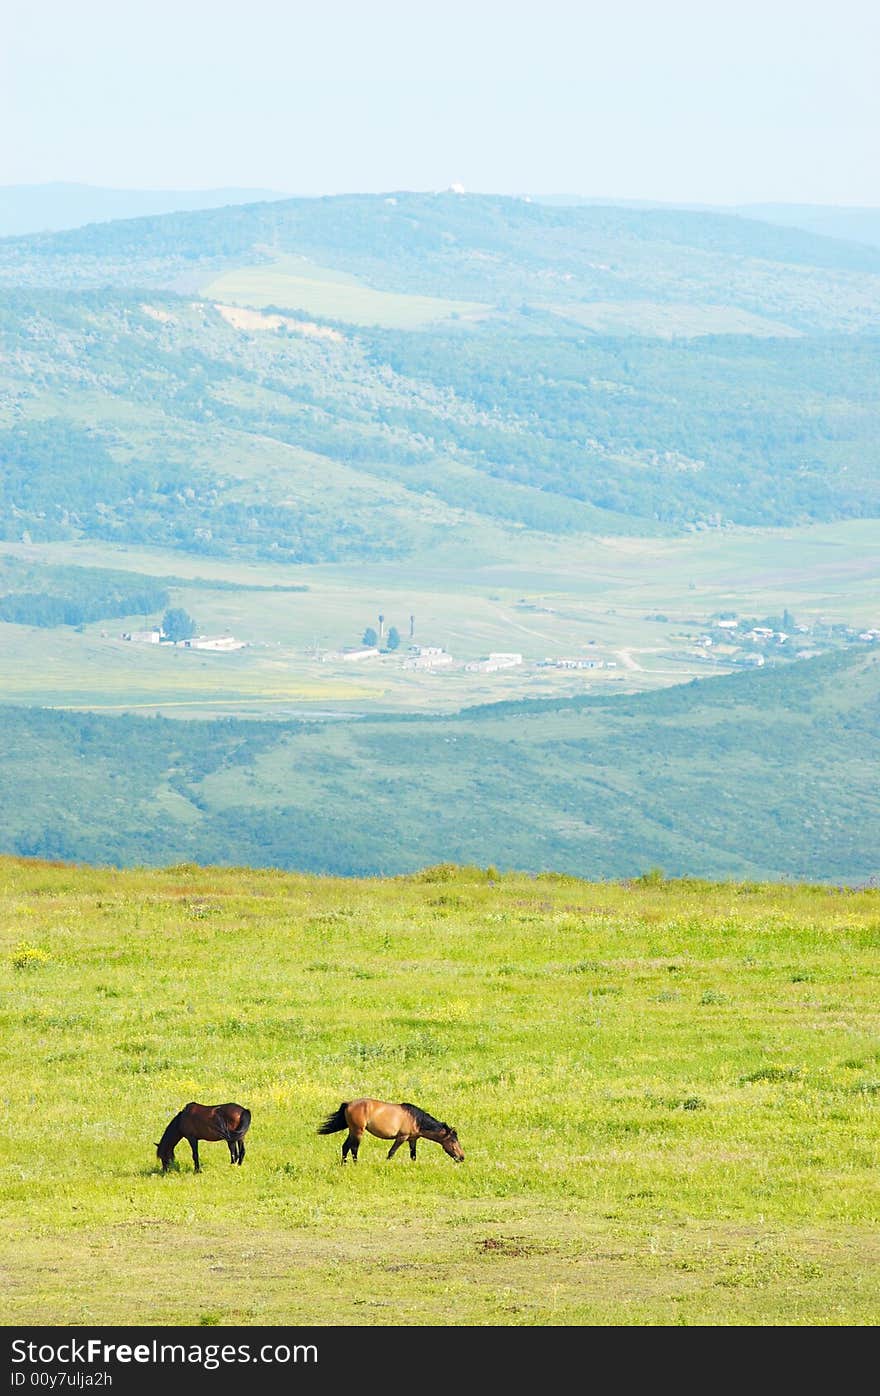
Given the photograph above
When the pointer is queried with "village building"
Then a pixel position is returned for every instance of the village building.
(220, 644)
(574, 662)
(496, 660)
(356, 653)
(427, 657)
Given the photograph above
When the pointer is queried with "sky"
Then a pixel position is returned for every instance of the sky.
(672, 100)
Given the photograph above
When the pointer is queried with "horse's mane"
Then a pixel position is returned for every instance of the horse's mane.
(422, 1118)
(171, 1135)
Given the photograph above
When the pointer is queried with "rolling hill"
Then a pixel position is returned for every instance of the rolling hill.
(373, 376)
(767, 775)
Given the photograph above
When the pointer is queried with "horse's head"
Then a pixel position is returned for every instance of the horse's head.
(165, 1156)
(448, 1139)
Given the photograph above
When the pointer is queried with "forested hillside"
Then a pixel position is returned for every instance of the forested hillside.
(416, 368)
(769, 774)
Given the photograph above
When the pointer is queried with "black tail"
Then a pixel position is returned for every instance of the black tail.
(243, 1124)
(230, 1134)
(335, 1122)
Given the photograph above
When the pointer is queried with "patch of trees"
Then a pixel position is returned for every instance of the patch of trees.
(178, 624)
(76, 595)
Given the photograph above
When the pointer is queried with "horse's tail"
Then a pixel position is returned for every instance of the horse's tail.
(225, 1128)
(335, 1122)
(244, 1123)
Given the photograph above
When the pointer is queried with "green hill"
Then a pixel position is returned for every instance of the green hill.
(373, 377)
(477, 247)
(768, 774)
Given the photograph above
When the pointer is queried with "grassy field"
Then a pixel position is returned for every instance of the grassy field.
(589, 597)
(667, 320)
(295, 283)
(666, 1094)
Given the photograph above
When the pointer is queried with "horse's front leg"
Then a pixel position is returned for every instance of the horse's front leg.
(194, 1145)
(401, 1139)
(412, 1150)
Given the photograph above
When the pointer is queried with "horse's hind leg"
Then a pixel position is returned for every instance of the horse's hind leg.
(194, 1145)
(351, 1145)
(240, 1152)
(233, 1153)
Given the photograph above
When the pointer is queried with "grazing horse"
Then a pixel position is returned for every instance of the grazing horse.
(404, 1123)
(209, 1122)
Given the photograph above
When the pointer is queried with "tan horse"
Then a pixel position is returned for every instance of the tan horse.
(209, 1122)
(404, 1123)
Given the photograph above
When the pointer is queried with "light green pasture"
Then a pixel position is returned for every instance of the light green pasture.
(667, 1096)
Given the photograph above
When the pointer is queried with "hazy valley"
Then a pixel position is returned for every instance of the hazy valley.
(617, 449)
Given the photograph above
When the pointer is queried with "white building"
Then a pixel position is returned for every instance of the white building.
(575, 662)
(354, 655)
(439, 659)
(143, 637)
(495, 661)
(222, 644)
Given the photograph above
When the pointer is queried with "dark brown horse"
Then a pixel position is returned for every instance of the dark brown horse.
(209, 1122)
(404, 1123)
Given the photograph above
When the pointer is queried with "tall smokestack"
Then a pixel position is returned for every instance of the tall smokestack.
(412, 626)
(381, 626)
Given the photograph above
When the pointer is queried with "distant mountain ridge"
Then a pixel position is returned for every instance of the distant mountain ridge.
(847, 223)
(435, 230)
(60, 206)
(36, 208)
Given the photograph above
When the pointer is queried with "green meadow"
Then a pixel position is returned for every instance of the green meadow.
(295, 283)
(667, 1094)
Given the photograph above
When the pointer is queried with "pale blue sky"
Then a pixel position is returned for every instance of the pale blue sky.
(679, 100)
